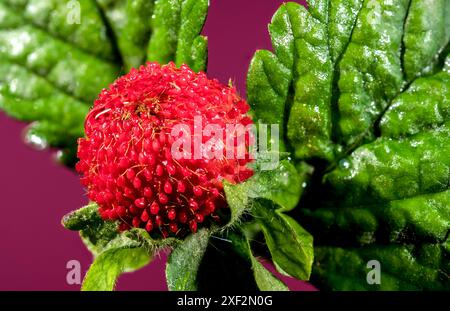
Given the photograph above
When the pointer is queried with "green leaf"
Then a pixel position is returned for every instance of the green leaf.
(96, 234)
(51, 70)
(60, 20)
(109, 265)
(114, 252)
(425, 104)
(403, 267)
(393, 190)
(291, 247)
(56, 56)
(266, 195)
(389, 169)
(279, 82)
(361, 91)
(162, 31)
(130, 22)
(42, 53)
(425, 35)
(100, 235)
(371, 67)
(265, 280)
(82, 218)
(237, 200)
(283, 185)
(341, 21)
(184, 262)
(176, 26)
(145, 240)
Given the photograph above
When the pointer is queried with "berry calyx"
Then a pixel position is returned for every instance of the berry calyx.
(127, 158)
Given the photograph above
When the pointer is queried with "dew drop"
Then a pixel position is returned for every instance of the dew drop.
(35, 141)
(345, 164)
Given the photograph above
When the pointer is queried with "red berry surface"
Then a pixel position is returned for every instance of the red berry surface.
(126, 159)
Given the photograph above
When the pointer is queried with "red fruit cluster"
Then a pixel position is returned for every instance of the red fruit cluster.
(126, 160)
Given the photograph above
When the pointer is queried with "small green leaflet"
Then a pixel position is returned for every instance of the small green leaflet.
(177, 24)
(192, 262)
(109, 265)
(291, 247)
(281, 185)
(95, 233)
(266, 196)
(130, 23)
(265, 280)
(279, 86)
(161, 31)
(184, 262)
(114, 253)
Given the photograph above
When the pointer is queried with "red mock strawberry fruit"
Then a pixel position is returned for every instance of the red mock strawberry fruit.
(127, 159)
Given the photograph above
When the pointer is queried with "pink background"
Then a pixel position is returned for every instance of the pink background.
(35, 192)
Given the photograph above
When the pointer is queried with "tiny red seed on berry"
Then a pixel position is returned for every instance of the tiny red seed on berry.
(159, 171)
(149, 226)
(121, 211)
(171, 214)
(181, 186)
(182, 217)
(123, 227)
(156, 145)
(144, 216)
(193, 204)
(129, 193)
(142, 158)
(92, 195)
(136, 222)
(243, 106)
(162, 138)
(173, 227)
(199, 218)
(147, 174)
(133, 210)
(158, 221)
(163, 199)
(171, 169)
(124, 163)
(193, 226)
(210, 206)
(137, 183)
(148, 145)
(197, 191)
(130, 174)
(148, 193)
(185, 172)
(164, 233)
(202, 179)
(167, 187)
(140, 202)
(109, 197)
(134, 156)
(113, 214)
(215, 192)
(154, 208)
(151, 159)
